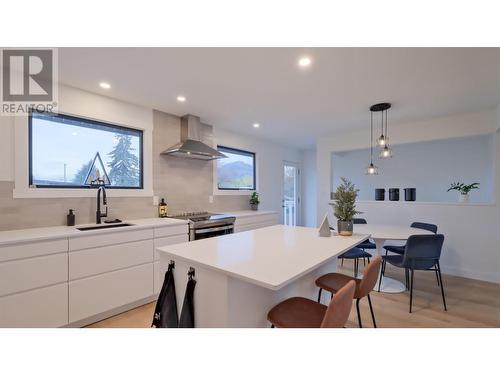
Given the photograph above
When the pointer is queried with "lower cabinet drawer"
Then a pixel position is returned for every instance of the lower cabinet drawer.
(165, 241)
(97, 294)
(84, 263)
(22, 275)
(39, 308)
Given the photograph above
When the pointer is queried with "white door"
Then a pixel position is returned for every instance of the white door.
(291, 197)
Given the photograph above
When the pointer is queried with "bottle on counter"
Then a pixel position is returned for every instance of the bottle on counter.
(162, 208)
(70, 218)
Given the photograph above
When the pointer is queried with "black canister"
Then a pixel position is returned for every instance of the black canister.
(379, 194)
(394, 194)
(410, 194)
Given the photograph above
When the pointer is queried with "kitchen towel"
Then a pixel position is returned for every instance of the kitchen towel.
(166, 315)
(187, 312)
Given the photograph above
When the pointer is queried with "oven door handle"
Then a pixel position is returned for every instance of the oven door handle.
(214, 229)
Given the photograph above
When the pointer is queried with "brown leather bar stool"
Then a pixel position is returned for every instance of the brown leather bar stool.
(333, 282)
(298, 312)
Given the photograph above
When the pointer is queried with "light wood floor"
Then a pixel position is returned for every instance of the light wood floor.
(471, 303)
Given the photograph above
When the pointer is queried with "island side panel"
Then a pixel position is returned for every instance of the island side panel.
(210, 293)
(221, 301)
(248, 304)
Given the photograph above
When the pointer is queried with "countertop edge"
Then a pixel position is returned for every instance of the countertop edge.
(71, 232)
(254, 281)
(27, 235)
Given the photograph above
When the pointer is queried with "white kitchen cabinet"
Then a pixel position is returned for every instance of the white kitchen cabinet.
(105, 239)
(83, 277)
(34, 284)
(40, 308)
(84, 263)
(99, 294)
(25, 274)
(32, 249)
(249, 222)
(164, 241)
(171, 231)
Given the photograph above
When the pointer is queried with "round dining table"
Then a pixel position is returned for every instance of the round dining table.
(384, 232)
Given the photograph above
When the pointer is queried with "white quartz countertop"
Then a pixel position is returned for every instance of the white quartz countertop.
(48, 233)
(270, 257)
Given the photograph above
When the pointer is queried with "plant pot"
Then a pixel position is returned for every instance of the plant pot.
(464, 198)
(254, 206)
(345, 227)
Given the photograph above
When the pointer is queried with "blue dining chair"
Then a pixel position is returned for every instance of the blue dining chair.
(401, 249)
(367, 244)
(359, 252)
(422, 253)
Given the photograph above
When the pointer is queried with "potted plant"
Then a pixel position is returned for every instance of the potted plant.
(344, 206)
(463, 189)
(254, 201)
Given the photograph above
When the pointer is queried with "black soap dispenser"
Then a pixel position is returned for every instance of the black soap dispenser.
(70, 218)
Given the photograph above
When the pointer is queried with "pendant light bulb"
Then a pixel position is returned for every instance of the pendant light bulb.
(385, 153)
(371, 169)
(382, 141)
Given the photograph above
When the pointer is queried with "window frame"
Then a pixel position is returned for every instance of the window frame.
(241, 152)
(97, 122)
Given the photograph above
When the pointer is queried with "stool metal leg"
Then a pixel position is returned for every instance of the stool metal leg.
(371, 310)
(359, 314)
(319, 295)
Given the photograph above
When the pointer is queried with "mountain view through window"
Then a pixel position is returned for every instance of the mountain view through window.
(237, 171)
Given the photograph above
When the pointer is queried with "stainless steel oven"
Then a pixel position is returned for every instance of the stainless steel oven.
(206, 225)
(219, 230)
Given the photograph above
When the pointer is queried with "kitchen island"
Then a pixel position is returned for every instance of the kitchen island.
(240, 276)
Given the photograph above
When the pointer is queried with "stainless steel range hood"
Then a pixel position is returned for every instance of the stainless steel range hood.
(191, 145)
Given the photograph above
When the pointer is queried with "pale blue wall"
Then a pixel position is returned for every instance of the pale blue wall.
(429, 167)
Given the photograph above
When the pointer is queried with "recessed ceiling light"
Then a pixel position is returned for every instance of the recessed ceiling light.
(74, 133)
(256, 125)
(305, 61)
(181, 98)
(105, 85)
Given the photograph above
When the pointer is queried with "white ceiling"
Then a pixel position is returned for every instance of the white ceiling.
(235, 87)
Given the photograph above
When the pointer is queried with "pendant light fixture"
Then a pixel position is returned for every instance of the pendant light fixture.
(386, 151)
(382, 141)
(371, 169)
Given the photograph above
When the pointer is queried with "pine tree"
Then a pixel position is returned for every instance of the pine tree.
(124, 164)
(79, 178)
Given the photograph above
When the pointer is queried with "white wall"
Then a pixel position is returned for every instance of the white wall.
(309, 188)
(169, 180)
(6, 148)
(471, 231)
(85, 104)
(429, 166)
(270, 157)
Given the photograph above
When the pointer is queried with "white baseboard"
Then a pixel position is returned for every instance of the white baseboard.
(471, 274)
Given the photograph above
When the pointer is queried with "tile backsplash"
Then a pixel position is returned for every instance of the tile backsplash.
(185, 183)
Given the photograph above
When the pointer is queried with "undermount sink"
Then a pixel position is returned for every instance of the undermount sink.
(105, 226)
